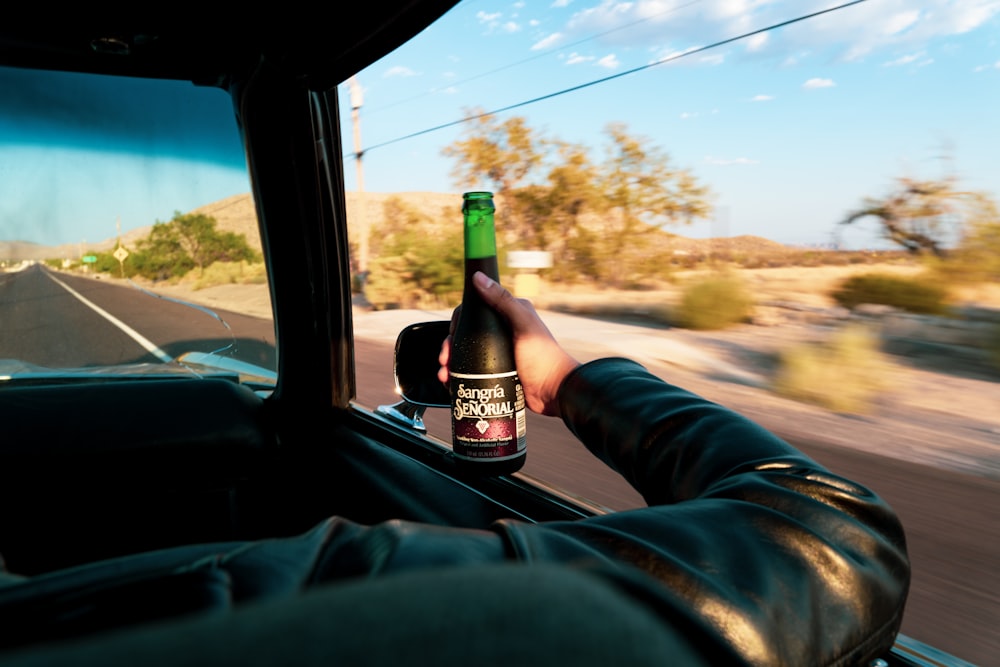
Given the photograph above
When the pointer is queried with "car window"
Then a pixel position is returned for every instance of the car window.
(128, 235)
(789, 208)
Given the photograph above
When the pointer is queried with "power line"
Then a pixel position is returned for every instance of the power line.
(612, 77)
(542, 54)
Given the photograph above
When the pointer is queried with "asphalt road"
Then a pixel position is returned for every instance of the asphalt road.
(62, 321)
(952, 516)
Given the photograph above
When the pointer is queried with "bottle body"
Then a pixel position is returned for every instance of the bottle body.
(489, 434)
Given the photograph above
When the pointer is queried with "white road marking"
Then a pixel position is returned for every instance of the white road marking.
(126, 329)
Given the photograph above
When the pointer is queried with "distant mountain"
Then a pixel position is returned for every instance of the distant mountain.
(17, 251)
(237, 214)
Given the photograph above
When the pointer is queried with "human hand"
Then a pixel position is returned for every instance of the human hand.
(542, 364)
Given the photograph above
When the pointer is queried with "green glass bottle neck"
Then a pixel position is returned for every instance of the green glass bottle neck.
(480, 237)
(480, 230)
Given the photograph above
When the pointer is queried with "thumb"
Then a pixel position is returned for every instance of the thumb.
(495, 295)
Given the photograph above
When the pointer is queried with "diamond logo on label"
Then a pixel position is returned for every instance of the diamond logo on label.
(482, 425)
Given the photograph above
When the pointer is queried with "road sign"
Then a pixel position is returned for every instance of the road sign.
(89, 259)
(529, 259)
(121, 254)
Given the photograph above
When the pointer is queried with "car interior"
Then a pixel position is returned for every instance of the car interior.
(110, 481)
(108, 485)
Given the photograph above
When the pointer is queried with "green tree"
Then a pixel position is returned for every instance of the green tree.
(597, 219)
(499, 155)
(642, 192)
(198, 237)
(418, 261)
(161, 256)
(920, 215)
(188, 241)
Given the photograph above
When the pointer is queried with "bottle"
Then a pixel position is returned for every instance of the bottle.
(489, 434)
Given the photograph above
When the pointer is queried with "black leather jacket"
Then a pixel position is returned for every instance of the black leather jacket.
(748, 553)
(785, 561)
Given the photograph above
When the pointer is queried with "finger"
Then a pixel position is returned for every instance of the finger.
(519, 312)
(443, 357)
(445, 354)
(496, 295)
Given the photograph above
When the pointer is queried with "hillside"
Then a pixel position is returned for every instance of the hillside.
(237, 214)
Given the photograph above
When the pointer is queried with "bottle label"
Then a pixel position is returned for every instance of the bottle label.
(488, 416)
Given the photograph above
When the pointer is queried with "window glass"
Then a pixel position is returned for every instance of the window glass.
(128, 235)
(786, 207)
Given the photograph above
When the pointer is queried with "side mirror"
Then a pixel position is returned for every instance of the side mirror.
(415, 367)
(415, 364)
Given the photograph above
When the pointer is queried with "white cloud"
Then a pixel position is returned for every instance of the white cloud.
(558, 4)
(488, 18)
(398, 70)
(916, 59)
(510, 26)
(576, 59)
(900, 21)
(970, 15)
(983, 68)
(685, 115)
(547, 42)
(726, 162)
(848, 34)
(757, 42)
(609, 61)
(813, 84)
(903, 60)
(762, 98)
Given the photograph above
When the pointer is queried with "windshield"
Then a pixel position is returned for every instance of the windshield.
(789, 208)
(129, 243)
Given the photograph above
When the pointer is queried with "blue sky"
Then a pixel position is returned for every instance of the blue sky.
(790, 128)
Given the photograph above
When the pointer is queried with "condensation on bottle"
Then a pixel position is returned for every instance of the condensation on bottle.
(488, 421)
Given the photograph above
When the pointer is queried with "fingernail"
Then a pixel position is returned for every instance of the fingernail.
(483, 280)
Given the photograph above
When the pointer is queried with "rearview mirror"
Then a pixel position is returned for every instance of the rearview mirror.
(415, 364)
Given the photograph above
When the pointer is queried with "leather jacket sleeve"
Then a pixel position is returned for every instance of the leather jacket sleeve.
(752, 541)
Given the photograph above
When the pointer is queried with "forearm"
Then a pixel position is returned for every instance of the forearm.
(670, 444)
(788, 561)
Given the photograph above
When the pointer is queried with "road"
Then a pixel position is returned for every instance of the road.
(63, 321)
(952, 516)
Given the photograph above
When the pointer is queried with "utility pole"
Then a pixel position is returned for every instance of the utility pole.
(363, 226)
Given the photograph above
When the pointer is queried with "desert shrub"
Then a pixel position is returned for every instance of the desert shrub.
(975, 260)
(843, 374)
(390, 284)
(914, 295)
(417, 261)
(231, 273)
(713, 303)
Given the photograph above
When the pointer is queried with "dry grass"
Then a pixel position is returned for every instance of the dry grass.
(809, 287)
(844, 373)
